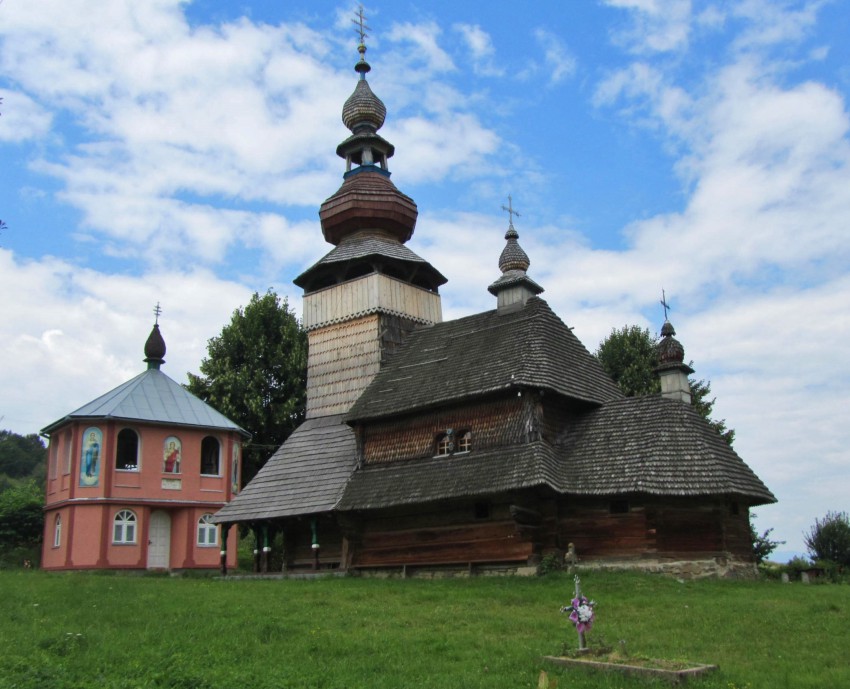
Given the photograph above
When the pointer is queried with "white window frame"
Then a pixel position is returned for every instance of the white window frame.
(207, 532)
(57, 531)
(125, 527)
(464, 442)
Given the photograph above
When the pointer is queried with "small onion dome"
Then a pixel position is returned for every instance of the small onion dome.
(513, 257)
(363, 109)
(155, 348)
(368, 200)
(669, 350)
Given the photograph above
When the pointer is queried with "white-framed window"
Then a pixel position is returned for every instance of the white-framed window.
(57, 531)
(127, 450)
(444, 445)
(207, 531)
(464, 442)
(124, 527)
(210, 456)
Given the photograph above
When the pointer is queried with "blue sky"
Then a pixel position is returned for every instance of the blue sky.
(178, 152)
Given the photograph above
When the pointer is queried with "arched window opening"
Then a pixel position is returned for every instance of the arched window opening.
(124, 527)
(210, 450)
(127, 450)
(464, 441)
(207, 531)
(57, 531)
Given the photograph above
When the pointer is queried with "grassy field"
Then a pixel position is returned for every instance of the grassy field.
(71, 631)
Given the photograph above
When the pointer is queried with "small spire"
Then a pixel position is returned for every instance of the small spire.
(514, 287)
(155, 344)
(672, 369)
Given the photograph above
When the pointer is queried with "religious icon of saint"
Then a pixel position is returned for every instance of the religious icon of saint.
(90, 464)
(172, 455)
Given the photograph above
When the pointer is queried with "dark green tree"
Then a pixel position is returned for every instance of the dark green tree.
(829, 539)
(22, 455)
(21, 515)
(255, 373)
(628, 356)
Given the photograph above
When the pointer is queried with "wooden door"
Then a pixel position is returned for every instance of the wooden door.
(159, 540)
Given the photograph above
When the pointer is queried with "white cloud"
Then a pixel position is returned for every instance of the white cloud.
(481, 49)
(659, 26)
(21, 118)
(426, 51)
(560, 63)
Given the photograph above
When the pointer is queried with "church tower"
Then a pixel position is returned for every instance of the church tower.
(370, 290)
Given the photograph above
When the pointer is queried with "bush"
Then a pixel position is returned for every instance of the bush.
(797, 565)
(762, 545)
(829, 539)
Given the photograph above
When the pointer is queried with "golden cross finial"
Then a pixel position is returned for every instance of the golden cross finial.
(511, 212)
(664, 303)
(156, 312)
(361, 25)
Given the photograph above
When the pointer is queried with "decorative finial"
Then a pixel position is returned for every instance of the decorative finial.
(157, 312)
(362, 66)
(511, 212)
(665, 304)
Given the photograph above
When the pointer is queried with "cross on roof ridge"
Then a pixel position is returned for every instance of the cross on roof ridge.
(510, 209)
(664, 303)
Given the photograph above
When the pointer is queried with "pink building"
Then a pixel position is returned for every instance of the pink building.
(135, 476)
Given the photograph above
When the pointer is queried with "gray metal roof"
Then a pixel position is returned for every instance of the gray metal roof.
(305, 476)
(485, 353)
(152, 397)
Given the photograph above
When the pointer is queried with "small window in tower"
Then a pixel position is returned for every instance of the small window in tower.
(445, 444)
(210, 449)
(464, 441)
(619, 507)
(57, 531)
(127, 450)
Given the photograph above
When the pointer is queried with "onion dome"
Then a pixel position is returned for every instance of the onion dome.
(513, 257)
(363, 109)
(669, 352)
(155, 348)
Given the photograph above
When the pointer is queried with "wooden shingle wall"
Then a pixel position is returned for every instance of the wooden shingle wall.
(370, 294)
(493, 423)
(342, 361)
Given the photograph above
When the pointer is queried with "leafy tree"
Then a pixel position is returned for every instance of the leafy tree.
(763, 546)
(628, 355)
(22, 455)
(829, 539)
(255, 373)
(21, 516)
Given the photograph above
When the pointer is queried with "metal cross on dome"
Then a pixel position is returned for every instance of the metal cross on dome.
(664, 303)
(157, 311)
(510, 209)
(362, 28)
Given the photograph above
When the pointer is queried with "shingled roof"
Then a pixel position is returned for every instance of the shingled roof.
(305, 476)
(636, 445)
(153, 397)
(485, 353)
(426, 480)
(655, 446)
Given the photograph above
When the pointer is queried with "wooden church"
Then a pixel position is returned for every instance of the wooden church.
(135, 476)
(483, 443)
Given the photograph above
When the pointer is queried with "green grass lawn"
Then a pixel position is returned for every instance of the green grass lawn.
(71, 631)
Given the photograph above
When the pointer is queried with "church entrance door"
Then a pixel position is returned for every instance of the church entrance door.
(159, 540)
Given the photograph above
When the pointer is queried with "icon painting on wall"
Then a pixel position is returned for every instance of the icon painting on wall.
(90, 457)
(172, 450)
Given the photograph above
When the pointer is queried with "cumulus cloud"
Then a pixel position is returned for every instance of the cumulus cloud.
(658, 26)
(481, 49)
(558, 60)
